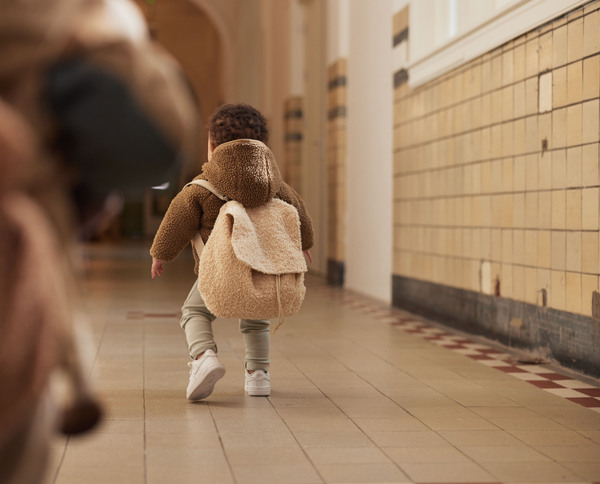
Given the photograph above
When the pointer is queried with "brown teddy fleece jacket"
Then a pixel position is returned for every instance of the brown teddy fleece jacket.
(244, 170)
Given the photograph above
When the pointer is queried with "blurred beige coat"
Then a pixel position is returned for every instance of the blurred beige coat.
(110, 34)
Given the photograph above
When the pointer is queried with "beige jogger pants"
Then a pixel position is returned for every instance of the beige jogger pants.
(196, 321)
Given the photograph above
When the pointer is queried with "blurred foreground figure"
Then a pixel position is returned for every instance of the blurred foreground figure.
(108, 111)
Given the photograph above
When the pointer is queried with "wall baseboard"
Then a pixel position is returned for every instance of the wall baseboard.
(571, 339)
(335, 272)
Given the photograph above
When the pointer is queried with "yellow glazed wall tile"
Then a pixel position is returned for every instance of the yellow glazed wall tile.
(497, 107)
(574, 251)
(531, 57)
(558, 290)
(589, 285)
(519, 63)
(486, 76)
(497, 141)
(559, 87)
(531, 171)
(544, 249)
(574, 82)
(531, 210)
(559, 47)
(531, 248)
(544, 210)
(591, 121)
(544, 283)
(591, 77)
(545, 131)
(518, 283)
(531, 285)
(559, 169)
(559, 247)
(559, 128)
(519, 173)
(589, 209)
(518, 247)
(506, 281)
(574, 167)
(519, 137)
(573, 209)
(476, 113)
(573, 283)
(575, 40)
(589, 252)
(508, 65)
(589, 165)
(574, 128)
(545, 52)
(486, 109)
(519, 99)
(531, 134)
(508, 142)
(507, 175)
(507, 103)
(496, 245)
(531, 96)
(559, 205)
(497, 72)
(545, 169)
(591, 27)
(507, 247)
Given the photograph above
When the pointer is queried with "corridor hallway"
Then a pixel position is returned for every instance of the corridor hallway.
(361, 394)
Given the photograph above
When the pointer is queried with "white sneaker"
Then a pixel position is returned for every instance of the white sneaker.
(204, 373)
(258, 383)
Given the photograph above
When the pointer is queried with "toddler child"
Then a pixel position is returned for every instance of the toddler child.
(243, 168)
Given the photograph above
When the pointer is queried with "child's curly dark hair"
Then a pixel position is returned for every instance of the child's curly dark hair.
(236, 121)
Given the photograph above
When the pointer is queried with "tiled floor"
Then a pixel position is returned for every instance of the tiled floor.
(360, 395)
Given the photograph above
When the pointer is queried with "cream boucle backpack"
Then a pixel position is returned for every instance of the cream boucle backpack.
(252, 266)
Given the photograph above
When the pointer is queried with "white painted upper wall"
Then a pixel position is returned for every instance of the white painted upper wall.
(369, 164)
(447, 33)
(338, 33)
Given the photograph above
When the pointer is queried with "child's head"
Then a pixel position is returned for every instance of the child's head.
(236, 121)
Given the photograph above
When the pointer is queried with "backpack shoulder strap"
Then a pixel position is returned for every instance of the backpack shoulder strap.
(211, 188)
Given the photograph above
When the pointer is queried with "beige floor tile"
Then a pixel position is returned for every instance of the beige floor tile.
(362, 473)
(346, 455)
(257, 439)
(547, 438)
(480, 438)
(333, 439)
(406, 439)
(403, 455)
(365, 412)
(123, 474)
(590, 471)
(539, 423)
(172, 426)
(311, 412)
(447, 472)
(530, 472)
(303, 424)
(390, 424)
(508, 454)
(283, 402)
(272, 473)
(505, 412)
(364, 402)
(88, 456)
(197, 440)
(593, 435)
(242, 456)
(586, 453)
(459, 423)
(243, 424)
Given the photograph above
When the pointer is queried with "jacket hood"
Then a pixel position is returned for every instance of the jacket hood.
(244, 170)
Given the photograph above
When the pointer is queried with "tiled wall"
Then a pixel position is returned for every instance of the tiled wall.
(496, 170)
(336, 168)
(291, 169)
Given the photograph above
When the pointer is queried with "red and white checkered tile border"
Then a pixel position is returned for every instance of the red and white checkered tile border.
(538, 375)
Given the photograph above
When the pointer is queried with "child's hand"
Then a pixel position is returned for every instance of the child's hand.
(308, 256)
(157, 268)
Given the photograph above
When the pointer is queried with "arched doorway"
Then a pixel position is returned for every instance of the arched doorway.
(184, 29)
